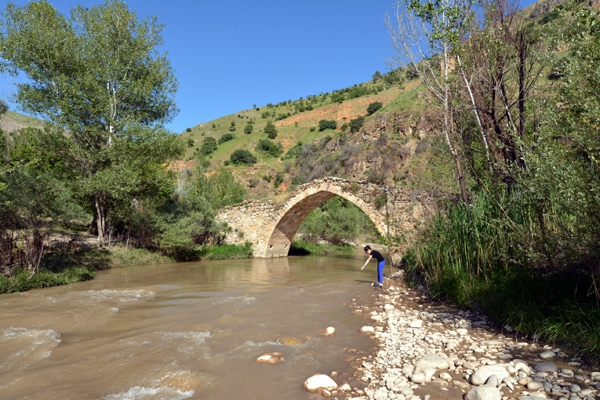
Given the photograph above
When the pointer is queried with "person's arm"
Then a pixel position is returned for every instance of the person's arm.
(366, 262)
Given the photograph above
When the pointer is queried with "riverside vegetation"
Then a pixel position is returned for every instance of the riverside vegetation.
(504, 118)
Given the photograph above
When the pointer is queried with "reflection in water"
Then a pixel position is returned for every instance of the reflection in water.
(191, 330)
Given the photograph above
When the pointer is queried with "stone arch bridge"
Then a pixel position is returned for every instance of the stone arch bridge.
(397, 212)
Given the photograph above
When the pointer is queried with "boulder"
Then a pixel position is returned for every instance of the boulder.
(484, 393)
(431, 361)
(319, 382)
(483, 373)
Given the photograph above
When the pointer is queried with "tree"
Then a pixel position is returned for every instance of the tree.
(356, 124)
(209, 145)
(242, 157)
(268, 148)
(226, 137)
(327, 124)
(98, 79)
(424, 28)
(377, 76)
(270, 130)
(248, 129)
(373, 107)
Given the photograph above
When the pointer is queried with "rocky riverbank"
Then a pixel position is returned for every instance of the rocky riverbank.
(428, 351)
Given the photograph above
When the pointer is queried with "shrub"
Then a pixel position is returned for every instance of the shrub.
(188, 129)
(208, 145)
(270, 130)
(373, 107)
(327, 124)
(226, 137)
(380, 200)
(242, 157)
(252, 182)
(356, 124)
(190, 142)
(232, 127)
(248, 129)
(268, 148)
(345, 126)
(278, 180)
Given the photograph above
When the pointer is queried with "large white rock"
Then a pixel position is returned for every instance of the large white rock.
(484, 393)
(483, 373)
(319, 382)
(431, 361)
(367, 329)
(417, 323)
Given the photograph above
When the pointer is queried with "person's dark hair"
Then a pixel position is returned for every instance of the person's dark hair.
(367, 248)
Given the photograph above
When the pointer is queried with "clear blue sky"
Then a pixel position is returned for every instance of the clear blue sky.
(231, 54)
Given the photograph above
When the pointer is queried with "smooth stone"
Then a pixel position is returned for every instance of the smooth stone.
(367, 329)
(416, 323)
(319, 382)
(534, 386)
(431, 361)
(419, 377)
(483, 373)
(330, 330)
(461, 331)
(345, 388)
(270, 358)
(532, 398)
(547, 355)
(380, 394)
(546, 367)
(484, 393)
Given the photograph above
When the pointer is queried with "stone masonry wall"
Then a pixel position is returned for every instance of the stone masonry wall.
(271, 227)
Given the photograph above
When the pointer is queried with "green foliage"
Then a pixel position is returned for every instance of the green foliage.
(22, 280)
(293, 152)
(228, 251)
(337, 221)
(380, 200)
(242, 157)
(270, 130)
(226, 137)
(356, 124)
(301, 247)
(268, 149)
(327, 124)
(188, 130)
(232, 126)
(248, 128)
(373, 107)
(377, 76)
(190, 142)
(107, 111)
(278, 180)
(209, 145)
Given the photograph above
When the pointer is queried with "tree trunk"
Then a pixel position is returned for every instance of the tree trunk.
(100, 218)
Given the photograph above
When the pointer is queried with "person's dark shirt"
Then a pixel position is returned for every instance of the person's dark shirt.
(377, 255)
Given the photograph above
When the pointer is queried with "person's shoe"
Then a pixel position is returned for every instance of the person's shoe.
(377, 285)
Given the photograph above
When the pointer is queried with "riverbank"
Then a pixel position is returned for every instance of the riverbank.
(428, 351)
(63, 268)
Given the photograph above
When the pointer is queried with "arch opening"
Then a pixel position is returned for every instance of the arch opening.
(279, 242)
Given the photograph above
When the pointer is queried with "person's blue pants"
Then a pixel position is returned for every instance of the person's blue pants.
(380, 266)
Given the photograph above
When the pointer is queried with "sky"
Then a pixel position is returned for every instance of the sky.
(229, 55)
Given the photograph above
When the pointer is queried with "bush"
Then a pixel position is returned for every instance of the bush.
(270, 130)
(188, 129)
(22, 280)
(232, 127)
(373, 107)
(208, 146)
(228, 251)
(327, 124)
(190, 142)
(268, 148)
(242, 157)
(278, 180)
(356, 124)
(248, 129)
(226, 137)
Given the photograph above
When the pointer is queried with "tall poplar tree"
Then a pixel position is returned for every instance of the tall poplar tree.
(98, 79)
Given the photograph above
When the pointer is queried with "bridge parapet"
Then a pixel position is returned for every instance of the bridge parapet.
(397, 213)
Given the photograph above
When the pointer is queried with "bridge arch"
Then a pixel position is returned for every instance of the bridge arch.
(271, 227)
(297, 209)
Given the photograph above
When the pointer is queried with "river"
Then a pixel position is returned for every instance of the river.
(187, 330)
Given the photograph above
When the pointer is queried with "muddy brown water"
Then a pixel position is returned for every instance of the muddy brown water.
(190, 330)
